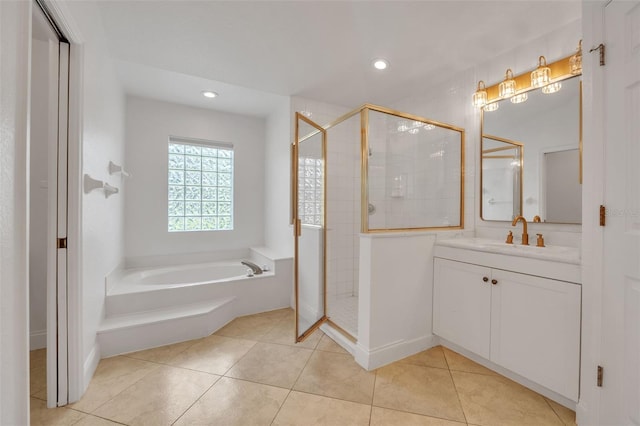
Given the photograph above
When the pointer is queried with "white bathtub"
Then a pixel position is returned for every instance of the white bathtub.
(178, 276)
(159, 305)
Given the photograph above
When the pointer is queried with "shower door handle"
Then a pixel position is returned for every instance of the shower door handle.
(298, 227)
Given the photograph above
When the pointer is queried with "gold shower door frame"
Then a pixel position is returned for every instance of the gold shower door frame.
(364, 195)
(297, 222)
(364, 164)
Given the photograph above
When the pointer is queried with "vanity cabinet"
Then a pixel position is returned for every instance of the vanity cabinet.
(527, 324)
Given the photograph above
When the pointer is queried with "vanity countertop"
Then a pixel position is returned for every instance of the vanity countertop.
(552, 253)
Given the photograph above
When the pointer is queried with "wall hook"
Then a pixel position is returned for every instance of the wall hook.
(109, 190)
(114, 168)
(91, 184)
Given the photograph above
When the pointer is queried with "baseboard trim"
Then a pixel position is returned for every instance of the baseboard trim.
(90, 365)
(370, 359)
(37, 340)
(554, 396)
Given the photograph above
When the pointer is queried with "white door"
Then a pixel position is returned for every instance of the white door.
(620, 397)
(56, 121)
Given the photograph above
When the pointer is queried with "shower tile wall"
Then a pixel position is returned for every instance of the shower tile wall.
(343, 221)
(414, 178)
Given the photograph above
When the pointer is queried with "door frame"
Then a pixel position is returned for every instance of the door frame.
(588, 407)
(77, 377)
(297, 224)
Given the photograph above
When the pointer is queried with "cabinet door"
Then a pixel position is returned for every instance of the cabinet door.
(462, 304)
(535, 329)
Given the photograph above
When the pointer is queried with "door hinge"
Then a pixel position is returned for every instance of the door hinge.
(62, 243)
(603, 215)
(601, 49)
(599, 376)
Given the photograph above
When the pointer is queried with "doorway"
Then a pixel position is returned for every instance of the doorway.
(48, 210)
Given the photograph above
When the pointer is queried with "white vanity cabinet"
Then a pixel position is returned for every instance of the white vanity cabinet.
(462, 305)
(528, 324)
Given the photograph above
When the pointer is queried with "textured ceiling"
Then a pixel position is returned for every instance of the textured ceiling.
(316, 49)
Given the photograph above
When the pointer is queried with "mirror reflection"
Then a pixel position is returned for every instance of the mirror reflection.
(502, 178)
(544, 132)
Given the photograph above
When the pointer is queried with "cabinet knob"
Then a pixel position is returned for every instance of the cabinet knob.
(485, 279)
(494, 282)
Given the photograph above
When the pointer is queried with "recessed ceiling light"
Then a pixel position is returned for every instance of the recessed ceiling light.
(209, 94)
(380, 64)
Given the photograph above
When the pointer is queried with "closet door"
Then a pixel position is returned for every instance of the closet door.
(49, 124)
(620, 346)
(309, 168)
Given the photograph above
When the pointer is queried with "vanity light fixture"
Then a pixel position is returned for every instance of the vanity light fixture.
(519, 98)
(380, 64)
(428, 126)
(403, 127)
(480, 96)
(507, 88)
(552, 88)
(209, 94)
(493, 106)
(575, 62)
(541, 76)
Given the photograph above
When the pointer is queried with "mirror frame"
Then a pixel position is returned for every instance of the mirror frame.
(560, 71)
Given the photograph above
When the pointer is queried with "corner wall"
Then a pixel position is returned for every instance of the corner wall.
(277, 180)
(102, 140)
(15, 36)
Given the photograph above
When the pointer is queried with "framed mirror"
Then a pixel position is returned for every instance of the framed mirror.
(531, 157)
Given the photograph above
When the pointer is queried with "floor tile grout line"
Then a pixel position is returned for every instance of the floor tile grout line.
(197, 399)
(295, 382)
(420, 414)
(291, 389)
(373, 396)
(275, 416)
(100, 417)
(430, 416)
(455, 387)
(116, 395)
(255, 342)
(554, 410)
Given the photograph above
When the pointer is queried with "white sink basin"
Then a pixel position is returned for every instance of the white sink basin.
(551, 252)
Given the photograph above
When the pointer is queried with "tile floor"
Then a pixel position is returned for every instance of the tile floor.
(251, 373)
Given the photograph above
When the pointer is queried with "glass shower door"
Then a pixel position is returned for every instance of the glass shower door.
(309, 171)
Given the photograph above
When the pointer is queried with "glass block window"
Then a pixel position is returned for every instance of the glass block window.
(200, 196)
(310, 191)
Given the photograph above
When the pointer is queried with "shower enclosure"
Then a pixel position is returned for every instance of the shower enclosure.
(371, 171)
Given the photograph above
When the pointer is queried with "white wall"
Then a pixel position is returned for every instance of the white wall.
(278, 234)
(149, 125)
(394, 316)
(39, 164)
(102, 140)
(450, 102)
(15, 36)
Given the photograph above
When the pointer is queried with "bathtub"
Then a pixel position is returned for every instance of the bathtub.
(154, 306)
(179, 276)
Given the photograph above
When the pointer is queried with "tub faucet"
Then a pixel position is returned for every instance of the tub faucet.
(255, 268)
(525, 236)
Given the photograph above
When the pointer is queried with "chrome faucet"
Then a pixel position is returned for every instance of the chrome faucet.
(525, 236)
(255, 268)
